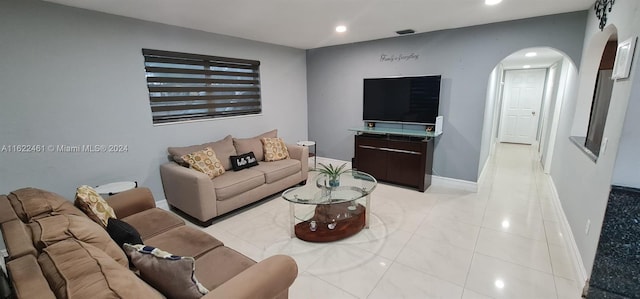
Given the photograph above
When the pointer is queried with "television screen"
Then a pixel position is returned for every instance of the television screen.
(401, 99)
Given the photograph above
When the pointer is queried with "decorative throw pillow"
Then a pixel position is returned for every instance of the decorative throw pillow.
(243, 161)
(174, 276)
(122, 232)
(223, 148)
(92, 204)
(205, 161)
(274, 149)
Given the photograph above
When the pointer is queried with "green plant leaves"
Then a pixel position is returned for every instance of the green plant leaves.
(330, 170)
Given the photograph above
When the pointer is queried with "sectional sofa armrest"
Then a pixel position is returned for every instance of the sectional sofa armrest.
(27, 278)
(131, 202)
(189, 190)
(270, 278)
(17, 239)
(6, 210)
(300, 153)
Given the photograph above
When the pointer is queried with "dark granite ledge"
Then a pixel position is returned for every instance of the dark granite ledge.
(595, 293)
(616, 269)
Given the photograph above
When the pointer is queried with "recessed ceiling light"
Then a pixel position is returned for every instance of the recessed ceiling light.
(531, 54)
(492, 2)
(506, 223)
(526, 66)
(341, 28)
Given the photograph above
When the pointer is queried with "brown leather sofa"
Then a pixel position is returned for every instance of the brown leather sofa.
(55, 251)
(203, 198)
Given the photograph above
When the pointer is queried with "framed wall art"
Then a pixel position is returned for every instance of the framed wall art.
(624, 57)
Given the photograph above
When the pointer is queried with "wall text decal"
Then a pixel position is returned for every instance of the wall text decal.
(398, 57)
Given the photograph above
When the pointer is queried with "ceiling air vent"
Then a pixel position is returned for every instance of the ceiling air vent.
(406, 31)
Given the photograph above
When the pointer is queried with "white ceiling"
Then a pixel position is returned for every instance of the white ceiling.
(308, 24)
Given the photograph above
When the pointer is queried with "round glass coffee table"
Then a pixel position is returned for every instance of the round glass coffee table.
(321, 213)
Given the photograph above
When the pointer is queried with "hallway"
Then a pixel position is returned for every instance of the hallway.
(522, 230)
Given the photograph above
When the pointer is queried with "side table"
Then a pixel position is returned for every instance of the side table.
(313, 154)
(116, 187)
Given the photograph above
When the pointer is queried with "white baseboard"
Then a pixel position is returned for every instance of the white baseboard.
(484, 170)
(570, 241)
(162, 204)
(454, 183)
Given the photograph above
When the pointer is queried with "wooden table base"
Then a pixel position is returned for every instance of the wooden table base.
(347, 223)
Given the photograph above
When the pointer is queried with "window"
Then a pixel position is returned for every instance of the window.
(601, 99)
(186, 86)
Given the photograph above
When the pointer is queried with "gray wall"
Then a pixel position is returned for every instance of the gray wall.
(488, 129)
(464, 57)
(71, 76)
(583, 185)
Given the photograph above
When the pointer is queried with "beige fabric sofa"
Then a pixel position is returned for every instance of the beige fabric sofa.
(202, 198)
(55, 251)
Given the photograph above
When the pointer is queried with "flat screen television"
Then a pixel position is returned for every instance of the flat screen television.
(401, 99)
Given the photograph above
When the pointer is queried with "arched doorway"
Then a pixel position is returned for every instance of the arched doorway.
(558, 72)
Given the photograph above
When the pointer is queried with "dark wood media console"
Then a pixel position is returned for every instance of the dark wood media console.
(396, 159)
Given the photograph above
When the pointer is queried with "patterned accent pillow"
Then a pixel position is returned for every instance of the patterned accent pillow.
(174, 276)
(92, 204)
(241, 162)
(205, 161)
(274, 149)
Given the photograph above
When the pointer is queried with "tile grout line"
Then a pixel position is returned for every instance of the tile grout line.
(413, 233)
(484, 213)
(532, 171)
(537, 168)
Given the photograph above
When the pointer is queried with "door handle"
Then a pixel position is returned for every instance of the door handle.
(533, 113)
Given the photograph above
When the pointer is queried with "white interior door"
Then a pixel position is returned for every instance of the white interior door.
(523, 92)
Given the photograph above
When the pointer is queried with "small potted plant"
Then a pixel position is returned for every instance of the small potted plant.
(332, 173)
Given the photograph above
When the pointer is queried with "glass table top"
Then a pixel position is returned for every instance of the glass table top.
(353, 185)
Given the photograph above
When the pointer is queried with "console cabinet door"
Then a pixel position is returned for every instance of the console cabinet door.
(370, 158)
(407, 162)
(404, 162)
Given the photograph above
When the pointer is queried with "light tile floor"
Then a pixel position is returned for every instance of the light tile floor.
(502, 242)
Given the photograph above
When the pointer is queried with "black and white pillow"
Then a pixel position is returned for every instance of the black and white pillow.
(122, 232)
(243, 161)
